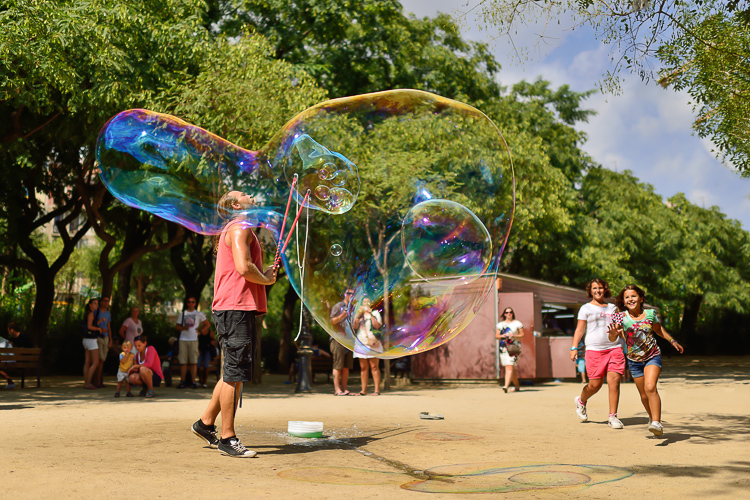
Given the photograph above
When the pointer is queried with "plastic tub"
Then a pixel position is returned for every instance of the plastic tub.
(305, 429)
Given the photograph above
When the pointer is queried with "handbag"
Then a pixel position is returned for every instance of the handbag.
(513, 348)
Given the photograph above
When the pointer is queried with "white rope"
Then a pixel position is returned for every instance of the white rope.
(301, 266)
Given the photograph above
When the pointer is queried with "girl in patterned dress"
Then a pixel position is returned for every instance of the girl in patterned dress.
(638, 326)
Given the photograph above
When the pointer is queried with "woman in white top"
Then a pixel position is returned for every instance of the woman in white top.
(509, 330)
(365, 322)
(604, 358)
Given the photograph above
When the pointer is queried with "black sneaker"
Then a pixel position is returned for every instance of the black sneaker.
(208, 434)
(235, 449)
(182, 385)
(194, 386)
(142, 393)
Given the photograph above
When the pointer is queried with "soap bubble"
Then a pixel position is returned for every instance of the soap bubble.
(443, 240)
(411, 200)
(322, 193)
(336, 250)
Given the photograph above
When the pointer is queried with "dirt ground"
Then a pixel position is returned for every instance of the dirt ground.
(61, 441)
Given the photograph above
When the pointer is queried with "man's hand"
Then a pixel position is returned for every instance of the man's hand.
(270, 275)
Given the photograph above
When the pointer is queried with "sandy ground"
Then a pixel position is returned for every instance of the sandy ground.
(61, 441)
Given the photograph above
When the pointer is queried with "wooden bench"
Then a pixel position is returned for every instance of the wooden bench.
(321, 364)
(22, 358)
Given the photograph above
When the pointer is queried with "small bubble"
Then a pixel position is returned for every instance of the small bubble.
(321, 192)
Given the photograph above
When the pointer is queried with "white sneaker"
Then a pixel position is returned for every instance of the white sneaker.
(656, 428)
(581, 410)
(614, 422)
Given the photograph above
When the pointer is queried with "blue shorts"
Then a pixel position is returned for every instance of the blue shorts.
(636, 367)
(581, 363)
(204, 358)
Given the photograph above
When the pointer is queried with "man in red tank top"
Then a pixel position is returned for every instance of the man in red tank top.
(239, 300)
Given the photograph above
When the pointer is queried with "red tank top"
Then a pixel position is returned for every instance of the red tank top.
(232, 292)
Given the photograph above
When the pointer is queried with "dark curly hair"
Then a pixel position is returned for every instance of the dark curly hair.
(600, 282)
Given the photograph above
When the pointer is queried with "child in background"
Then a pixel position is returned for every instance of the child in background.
(581, 362)
(126, 361)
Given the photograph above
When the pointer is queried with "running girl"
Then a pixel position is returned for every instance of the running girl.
(644, 357)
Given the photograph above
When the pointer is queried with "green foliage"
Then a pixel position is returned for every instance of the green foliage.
(361, 46)
(691, 261)
(241, 93)
(65, 68)
(714, 68)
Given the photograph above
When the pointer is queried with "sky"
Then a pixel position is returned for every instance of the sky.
(646, 129)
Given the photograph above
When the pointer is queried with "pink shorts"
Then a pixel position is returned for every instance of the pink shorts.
(598, 363)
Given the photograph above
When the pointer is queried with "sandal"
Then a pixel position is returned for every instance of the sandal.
(345, 393)
(363, 393)
(375, 394)
(150, 394)
(505, 389)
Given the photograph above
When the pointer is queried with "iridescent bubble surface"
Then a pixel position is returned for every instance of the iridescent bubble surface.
(411, 200)
(443, 240)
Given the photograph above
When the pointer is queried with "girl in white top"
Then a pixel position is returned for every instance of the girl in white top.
(604, 358)
(509, 330)
(365, 322)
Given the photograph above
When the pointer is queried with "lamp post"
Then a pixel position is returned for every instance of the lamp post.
(304, 353)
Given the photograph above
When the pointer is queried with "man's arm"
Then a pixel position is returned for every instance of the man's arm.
(240, 240)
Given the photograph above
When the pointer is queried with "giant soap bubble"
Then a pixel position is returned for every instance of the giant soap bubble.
(410, 202)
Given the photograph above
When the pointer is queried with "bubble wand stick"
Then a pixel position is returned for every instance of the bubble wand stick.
(291, 228)
(281, 233)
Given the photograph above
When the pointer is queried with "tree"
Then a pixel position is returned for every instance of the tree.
(711, 265)
(679, 253)
(538, 123)
(697, 45)
(365, 46)
(65, 68)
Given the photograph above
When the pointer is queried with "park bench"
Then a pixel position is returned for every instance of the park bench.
(21, 358)
(321, 364)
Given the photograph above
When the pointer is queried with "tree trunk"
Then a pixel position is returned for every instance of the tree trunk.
(690, 315)
(120, 299)
(43, 302)
(195, 271)
(287, 322)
